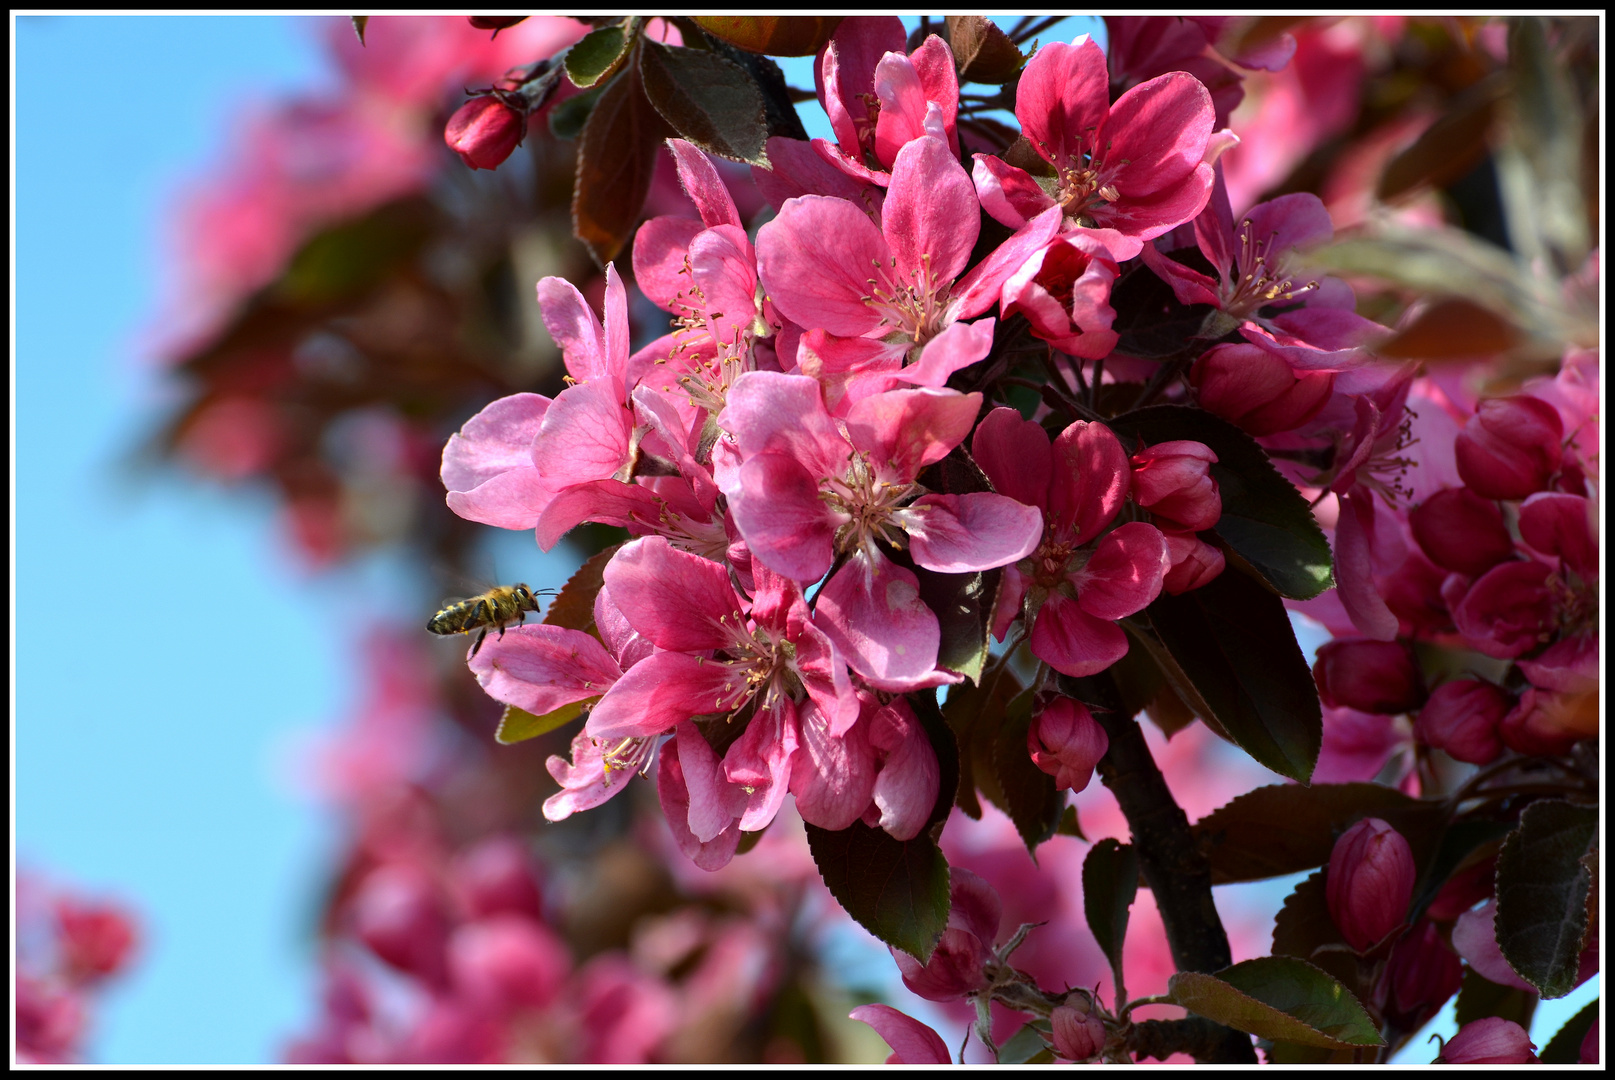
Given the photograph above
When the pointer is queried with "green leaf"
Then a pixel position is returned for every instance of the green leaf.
(1285, 1053)
(1109, 885)
(573, 606)
(974, 712)
(709, 100)
(895, 889)
(1284, 828)
(1265, 520)
(598, 55)
(1303, 922)
(1565, 1047)
(1028, 1046)
(568, 117)
(1480, 997)
(519, 725)
(898, 890)
(1032, 801)
(346, 261)
(1069, 825)
(616, 162)
(1233, 641)
(776, 35)
(1542, 887)
(1278, 998)
(359, 23)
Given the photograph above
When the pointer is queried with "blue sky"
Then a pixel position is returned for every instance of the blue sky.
(151, 763)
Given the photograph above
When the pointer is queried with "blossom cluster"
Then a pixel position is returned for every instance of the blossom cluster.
(776, 457)
(67, 949)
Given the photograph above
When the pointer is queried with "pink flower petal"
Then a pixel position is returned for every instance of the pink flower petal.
(871, 610)
(960, 534)
(761, 761)
(912, 1042)
(574, 327)
(931, 218)
(907, 784)
(1009, 195)
(703, 185)
(678, 600)
(958, 346)
(496, 440)
(772, 411)
(1090, 482)
(674, 795)
(978, 290)
(609, 502)
(660, 247)
(1073, 642)
(585, 435)
(832, 776)
(799, 169)
(1015, 455)
(1064, 91)
(911, 429)
(540, 668)
(657, 693)
(777, 508)
(715, 803)
(1125, 572)
(1354, 571)
(815, 260)
(902, 107)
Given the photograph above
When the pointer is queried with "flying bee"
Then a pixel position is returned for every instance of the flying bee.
(498, 606)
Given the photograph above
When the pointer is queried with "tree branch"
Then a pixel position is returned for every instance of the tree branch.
(1177, 871)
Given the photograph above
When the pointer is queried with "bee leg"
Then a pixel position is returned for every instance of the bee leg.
(478, 645)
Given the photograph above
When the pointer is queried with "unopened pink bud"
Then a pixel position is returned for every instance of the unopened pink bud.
(1369, 883)
(507, 962)
(1066, 742)
(1194, 563)
(1251, 387)
(1562, 526)
(1461, 718)
(1421, 975)
(498, 875)
(1078, 1035)
(1508, 611)
(484, 131)
(399, 914)
(1510, 447)
(1490, 1040)
(1461, 531)
(1369, 676)
(1172, 480)
(958, 966)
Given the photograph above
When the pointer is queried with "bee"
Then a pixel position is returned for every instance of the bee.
(498, 606)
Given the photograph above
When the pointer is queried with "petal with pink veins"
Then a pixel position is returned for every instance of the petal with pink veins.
(1009, 194)
(958, 346)
(1015, 455)
(871, 611)
(703, 185)
(715, 803)
(931, 218)
(1125, 572)
(901, 119)
(906, 787)
(761, 761)
(911, 429)
(1091, 478)
(912, 1042)
(585, 436)
(1064, 91)
(1073, 642)
(540, 668)
(1354, 569)
(777, 508)
(978, 290)
(608, 502)
(496, 440)
(678, 600)
(574, 327)
(660, 248)
(960, 534)
(674, 795)
(815, 260)
(772, 411)
(799, 169)
(832, 776)
(659, 692)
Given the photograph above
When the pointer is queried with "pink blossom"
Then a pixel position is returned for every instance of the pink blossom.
(1072, 589)
(912, 1042)
(507, 962)
(1078, 1035)
(1508, 610)
(484, 132)
(811, 488)
(1064, 292)
(400, 912)
(1136, 168)
(1546, 724)
(872, 128)
(907, 777)
(1370, 676)
(1172, 480)
(1066, 742)
(1562, 527)
(1315, 328)
(1143, 47)
(1462, 717)
(1193, 563)
(1461, 531)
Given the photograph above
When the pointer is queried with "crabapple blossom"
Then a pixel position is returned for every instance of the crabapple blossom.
(1461, 531)
(958, 966)
(1369, 882)
(1252, 386)
(1371, 676)
(912, 1042)
(1490, 1040)
(484, 131)
(1066, 742)
(1510, 448)
(1462, 718)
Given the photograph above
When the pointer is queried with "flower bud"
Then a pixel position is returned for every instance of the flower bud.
(507, 962)
(1562, 526)
(484, 131)
(1194, 563)
(398, 913)
(1508, 610)
(1413, 593)
(1510, 447)
(1066, 742)
(1461, 531)
(1079, 1035)
(1064, 292)
(1172, 480)
(1422, 974)
(958, 966)
(1546, 724)
(96, 939)
(1369, 676)
(1461, 718)
(498, 876)
(1490, 1040)
(1251, 387)
(1369, 882)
